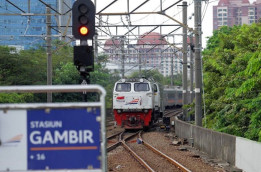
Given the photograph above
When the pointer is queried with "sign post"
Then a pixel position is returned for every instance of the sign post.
(53, 136)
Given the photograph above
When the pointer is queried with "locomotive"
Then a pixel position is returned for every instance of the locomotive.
(136, 103)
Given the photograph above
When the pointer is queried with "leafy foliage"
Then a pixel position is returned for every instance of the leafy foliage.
(15, 98)
(158, 77)
(232, 78)
(28, 67)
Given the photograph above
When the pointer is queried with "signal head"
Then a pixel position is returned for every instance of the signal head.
(83, 16)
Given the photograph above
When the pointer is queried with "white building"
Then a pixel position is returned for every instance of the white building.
(152, 49)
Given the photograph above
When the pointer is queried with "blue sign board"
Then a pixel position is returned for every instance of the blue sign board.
(63, 139)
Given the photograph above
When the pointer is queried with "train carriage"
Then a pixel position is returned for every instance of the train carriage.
(172, 97)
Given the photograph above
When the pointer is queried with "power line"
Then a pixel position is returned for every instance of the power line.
(205, 10)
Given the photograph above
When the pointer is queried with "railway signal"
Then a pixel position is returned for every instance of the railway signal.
(83, 29)
(83, 15)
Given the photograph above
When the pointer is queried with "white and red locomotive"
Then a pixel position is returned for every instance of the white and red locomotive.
(136, 103)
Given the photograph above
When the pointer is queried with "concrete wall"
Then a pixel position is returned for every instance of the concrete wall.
(184, 129)
(242, 153)
(217, 145)
(248, 155)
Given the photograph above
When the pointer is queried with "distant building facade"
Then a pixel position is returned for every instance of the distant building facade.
(153, 51)
(235, 12)
(20, 29)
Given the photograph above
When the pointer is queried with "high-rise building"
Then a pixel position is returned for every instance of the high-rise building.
(23, 22)
(235, 12)
(154, 53)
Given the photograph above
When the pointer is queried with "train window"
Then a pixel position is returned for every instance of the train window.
(180, 94)
(123, 87)
(141, 87)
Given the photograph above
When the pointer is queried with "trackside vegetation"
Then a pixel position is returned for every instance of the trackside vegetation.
(28, 67)
(232, 81)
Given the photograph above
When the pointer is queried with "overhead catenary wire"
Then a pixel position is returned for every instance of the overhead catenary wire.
(108, 19)
(147, 16)
(205, 10)
(127, 26)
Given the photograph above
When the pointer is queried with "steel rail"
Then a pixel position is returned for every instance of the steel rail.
(110, 148)
(129, 137)
(175, 112)
(137, 157)
(121, 140)
(109, 125)
(114, 135)
(174, 162)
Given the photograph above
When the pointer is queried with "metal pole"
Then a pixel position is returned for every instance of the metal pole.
(185, 65)
(161, 62)
(59, 23)
(49, 53)
(29, 6)
(122, 57)
(85, 76)
(172, 65)
(96, 47)
(191, 69)
(174, 61)
(198, 70)
(103, 129)
(171, 79)
(139, 63)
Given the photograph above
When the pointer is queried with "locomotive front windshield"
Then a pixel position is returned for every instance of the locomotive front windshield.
(141, 87)
(123, 87)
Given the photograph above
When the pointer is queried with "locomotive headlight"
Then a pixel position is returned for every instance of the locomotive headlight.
(146, 110)
(119, 111)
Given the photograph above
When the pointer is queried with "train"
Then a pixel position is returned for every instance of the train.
(139, 102)
(172, 97)
(136, 102)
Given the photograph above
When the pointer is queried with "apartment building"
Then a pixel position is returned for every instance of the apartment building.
(235, 12)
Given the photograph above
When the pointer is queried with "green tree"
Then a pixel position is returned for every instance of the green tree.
(154, 74)
(23, 68)
(232, 68)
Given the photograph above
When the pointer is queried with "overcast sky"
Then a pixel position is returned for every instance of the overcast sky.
(154, 5)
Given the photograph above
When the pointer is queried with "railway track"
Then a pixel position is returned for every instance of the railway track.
(119, 139)
(171, 113)
(168, 118)
(178, 165)
(149, 154)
